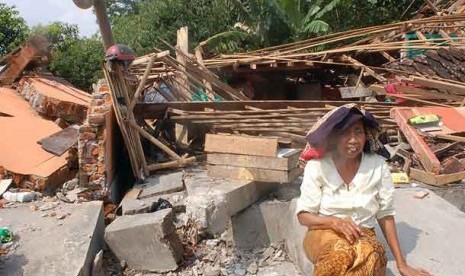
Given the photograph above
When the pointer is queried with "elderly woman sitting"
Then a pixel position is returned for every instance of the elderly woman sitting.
(345, 188)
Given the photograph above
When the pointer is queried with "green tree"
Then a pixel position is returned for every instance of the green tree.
(58, 34)
(262, 23)
(118, 8)
(13, 29)
(79, 63)
(73, 58)
(141, 28)
(352, 14)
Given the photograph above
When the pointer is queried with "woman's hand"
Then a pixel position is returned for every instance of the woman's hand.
(348, 228)
(406, 270)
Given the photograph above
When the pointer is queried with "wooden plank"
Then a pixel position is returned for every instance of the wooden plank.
(440, 85)
(417, 100)
(433, 179)
(61, 141)
(199, 57)
(449, 178)
(241, 145)
(157, 110)
(450, 137)
(428, 93)
(286, 160)
(255, 174)
(172, 164)
(183, 47)
(155, 141)
(427, 158)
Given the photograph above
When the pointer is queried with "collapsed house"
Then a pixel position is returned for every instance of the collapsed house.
(245, 117)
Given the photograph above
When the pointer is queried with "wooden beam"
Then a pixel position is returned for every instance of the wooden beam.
(417, 100)
(183, 46)
(141, 85)
(158, 110)
(199, 57)
(367, 69)
(157, 143)
(450, 137)
(427, 158)
(428, 93)
(440, 85)
(241, 145)
(172, 164)
(436, 180)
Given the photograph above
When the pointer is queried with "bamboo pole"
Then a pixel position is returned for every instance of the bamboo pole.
(157, 143)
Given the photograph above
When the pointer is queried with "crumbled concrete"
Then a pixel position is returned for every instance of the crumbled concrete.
(134, 206)
(283, 269)
(269, 222)
(161, 184)
(47, 246)
(212, 201)
(146, 241)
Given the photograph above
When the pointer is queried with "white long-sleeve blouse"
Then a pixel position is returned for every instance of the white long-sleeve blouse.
(368, 197)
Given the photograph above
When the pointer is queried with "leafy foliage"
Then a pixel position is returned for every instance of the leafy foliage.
(79, 62)
(353, 14)
(58, 34)
(161, 19)
(13, 29)
(118, 8)
(273, 22)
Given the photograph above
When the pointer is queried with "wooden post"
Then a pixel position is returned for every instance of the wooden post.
(183, 46)
(199, 57)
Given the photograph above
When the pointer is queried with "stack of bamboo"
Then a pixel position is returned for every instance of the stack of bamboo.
(334, 48)
(289, 125)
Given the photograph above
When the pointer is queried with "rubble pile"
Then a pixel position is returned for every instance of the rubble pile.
(217, 257)
(110, 162)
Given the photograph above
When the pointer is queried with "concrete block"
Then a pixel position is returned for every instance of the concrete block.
(213, 201)
(134, 206)
(161, 184)
(146, 241)
(47, 246)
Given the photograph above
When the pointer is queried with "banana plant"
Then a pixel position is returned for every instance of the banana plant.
(262, 23)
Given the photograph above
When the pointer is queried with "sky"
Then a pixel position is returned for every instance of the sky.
(47, 11)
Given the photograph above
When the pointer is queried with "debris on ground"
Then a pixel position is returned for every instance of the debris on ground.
(173, 160)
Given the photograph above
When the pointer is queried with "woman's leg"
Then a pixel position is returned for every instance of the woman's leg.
(331, 254)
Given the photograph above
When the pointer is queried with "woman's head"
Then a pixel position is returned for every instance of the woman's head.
(333, 124)
(349, 142)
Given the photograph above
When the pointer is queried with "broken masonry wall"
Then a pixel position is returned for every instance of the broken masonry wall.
(92, 143)
(54, 99)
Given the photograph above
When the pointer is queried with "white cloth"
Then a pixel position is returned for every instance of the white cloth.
(368, 197)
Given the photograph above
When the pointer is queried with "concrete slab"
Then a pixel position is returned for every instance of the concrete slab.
(430, 232)
(146, 241)
(161, 184)
(134, 206)
(48, 246)
(212, 201)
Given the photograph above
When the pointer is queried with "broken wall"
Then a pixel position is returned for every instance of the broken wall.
(92, 143)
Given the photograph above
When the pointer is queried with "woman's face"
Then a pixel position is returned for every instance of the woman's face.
(351, 141)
